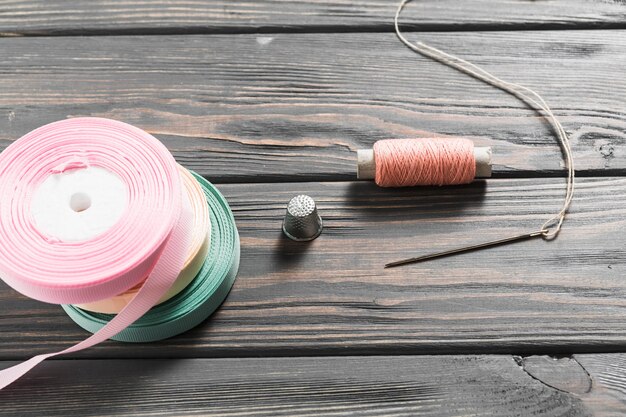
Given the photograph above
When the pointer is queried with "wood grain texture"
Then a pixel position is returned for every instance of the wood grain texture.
(372, 386)
(296, 107)
(281, 109)
(562, 373)
(50, 17)
(608, 371)
(333, 297)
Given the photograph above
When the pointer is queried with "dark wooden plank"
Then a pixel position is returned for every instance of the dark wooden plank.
(562, 373)
(607, 371)
(334, 297)
(20, 17)
(372, 386)
(297, 107)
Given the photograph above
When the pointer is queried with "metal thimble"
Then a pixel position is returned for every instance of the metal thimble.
(302, 222)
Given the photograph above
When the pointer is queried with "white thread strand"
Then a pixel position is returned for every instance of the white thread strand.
(552, 226)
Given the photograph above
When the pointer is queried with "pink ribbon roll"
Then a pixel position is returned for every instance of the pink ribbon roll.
(90, 207)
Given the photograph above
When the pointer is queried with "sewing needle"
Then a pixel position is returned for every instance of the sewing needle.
(467, 248)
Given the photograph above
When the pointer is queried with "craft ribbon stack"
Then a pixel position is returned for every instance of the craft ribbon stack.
(96, 215)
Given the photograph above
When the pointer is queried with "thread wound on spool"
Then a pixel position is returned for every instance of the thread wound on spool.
(410, 162)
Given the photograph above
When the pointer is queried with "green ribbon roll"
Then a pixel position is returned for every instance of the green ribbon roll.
(199, 299)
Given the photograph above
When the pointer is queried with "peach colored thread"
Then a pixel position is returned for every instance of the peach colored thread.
(552, 226)
(409, 162)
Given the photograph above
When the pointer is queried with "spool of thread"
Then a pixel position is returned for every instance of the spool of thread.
(410, 162)
(93, 208)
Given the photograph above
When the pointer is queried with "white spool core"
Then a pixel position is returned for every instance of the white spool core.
(79, 204)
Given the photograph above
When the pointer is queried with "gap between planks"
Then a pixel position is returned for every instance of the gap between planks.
(314, 29)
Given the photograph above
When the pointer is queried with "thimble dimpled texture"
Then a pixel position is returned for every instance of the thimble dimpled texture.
(302, 222)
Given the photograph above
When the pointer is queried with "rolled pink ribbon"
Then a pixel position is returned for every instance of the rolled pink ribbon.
(149, 239)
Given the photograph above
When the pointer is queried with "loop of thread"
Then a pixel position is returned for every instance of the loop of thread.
(553, 225)
(410, 162)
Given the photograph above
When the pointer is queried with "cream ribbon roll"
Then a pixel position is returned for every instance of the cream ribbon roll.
(198, 250)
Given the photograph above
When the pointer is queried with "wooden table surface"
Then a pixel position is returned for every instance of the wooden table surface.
(271, 98)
